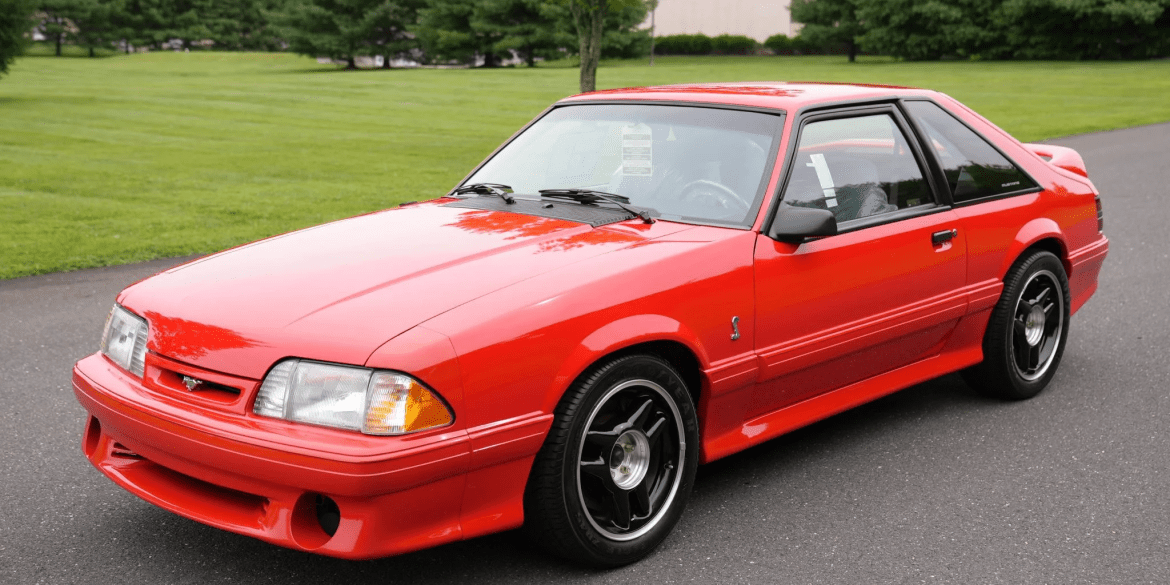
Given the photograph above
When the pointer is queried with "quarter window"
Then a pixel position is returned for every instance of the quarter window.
(856, 167)
(974, 169)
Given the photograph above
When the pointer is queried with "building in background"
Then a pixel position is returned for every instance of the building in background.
(758, 19)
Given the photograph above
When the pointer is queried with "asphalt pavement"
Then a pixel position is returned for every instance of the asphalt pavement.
(933, 484)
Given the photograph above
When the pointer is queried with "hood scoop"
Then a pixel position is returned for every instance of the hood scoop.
(594, 216)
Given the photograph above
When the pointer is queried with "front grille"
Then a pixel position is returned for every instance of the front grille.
(193, 384)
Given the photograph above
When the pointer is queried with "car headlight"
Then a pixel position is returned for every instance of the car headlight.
(124, 340)
(374, 402)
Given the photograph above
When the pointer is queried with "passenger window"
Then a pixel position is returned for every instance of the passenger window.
(856, 167)
(973, 167)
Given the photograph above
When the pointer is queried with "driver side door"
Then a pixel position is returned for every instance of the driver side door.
(881, 294)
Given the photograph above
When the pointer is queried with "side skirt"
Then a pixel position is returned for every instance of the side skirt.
(804, 413)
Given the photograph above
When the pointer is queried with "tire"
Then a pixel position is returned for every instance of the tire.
(617, 467)
(1027, 331)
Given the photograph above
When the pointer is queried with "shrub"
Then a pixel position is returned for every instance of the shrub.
(696, 44)
(798, 45)
(733, 45)
(779, 44)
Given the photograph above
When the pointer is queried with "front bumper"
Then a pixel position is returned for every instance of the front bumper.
(395, 494)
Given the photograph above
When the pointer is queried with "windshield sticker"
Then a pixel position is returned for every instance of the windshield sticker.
(825, 177)
(637, 156)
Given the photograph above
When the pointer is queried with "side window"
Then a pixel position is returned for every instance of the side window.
(973, 167)
(856, 167)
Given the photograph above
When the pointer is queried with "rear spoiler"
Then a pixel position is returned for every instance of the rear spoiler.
(1060, 156)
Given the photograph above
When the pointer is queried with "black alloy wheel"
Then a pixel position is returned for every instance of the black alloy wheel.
(1027, 332)
(1037, 323)
(616, 469)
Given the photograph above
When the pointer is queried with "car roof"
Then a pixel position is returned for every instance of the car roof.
(790, 96)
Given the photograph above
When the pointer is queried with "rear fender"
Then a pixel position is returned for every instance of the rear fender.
(1038, 229)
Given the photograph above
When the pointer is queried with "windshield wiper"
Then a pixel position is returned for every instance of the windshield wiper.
(590, 196)
(502, 191)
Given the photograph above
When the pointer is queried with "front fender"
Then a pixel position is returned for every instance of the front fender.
(617, 335)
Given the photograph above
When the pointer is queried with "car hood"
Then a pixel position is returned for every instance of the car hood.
(338, 291)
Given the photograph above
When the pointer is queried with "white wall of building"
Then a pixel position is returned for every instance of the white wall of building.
(758, 19)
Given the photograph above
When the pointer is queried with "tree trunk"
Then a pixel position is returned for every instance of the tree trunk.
(386, 61)
(350, 63)
(589, 16)
(852, 46)
(91, 55)
(59, 44)
(489, 59)
(530, 56)
(652, 33)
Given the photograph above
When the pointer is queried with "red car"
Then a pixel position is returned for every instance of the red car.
(639, 281)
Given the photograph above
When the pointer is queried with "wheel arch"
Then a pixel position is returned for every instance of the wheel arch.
(1038, 234)
(655, 335)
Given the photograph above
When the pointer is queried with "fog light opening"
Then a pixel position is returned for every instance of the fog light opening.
(93, 434)
(315, 519)
(328, 514)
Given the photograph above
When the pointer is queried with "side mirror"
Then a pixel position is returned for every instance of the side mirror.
(794, 224)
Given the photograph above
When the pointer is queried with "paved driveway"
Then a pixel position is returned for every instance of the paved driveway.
(932, 484)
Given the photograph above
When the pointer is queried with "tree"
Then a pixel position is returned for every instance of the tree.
(524, 26)
(15, 21)
(243, 25)
(326, 28)
(623, 39)
(140, 23)
(829, 22)
(589, 20)
(348, 29)
(455, 29)
(55, 22)
(93, 27)
(918, 30)
(386, 25)
(1090, 29)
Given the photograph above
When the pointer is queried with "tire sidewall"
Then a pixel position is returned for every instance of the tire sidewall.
(602, 550)
(999, 341)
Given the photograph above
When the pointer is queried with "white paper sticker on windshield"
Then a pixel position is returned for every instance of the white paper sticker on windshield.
(637, 155)
(825, 177)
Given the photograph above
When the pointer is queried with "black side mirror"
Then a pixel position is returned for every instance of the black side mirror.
(794, 224)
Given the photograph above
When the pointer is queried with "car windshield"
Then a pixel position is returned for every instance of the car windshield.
(686, 163)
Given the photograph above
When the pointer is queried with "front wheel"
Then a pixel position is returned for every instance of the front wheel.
(616, 469)
(1026, 334)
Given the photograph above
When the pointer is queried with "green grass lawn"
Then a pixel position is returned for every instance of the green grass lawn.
(128, 158)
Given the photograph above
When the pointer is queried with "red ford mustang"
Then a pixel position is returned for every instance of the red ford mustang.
(638, 282)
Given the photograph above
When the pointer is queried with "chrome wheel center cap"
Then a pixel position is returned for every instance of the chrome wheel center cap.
(1034, 326)
(630, 459)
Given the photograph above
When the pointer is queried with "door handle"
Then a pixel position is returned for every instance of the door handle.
(940, 238)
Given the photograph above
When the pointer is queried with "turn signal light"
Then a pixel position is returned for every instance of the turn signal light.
(398, 404)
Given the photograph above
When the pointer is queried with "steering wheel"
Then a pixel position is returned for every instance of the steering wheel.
(715, 198)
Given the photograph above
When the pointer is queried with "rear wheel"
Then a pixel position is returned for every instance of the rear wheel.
(1026, 334)
(616, 469)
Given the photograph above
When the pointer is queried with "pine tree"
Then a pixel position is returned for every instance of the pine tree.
(15, 22)
(453, 30)
(525, 26)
